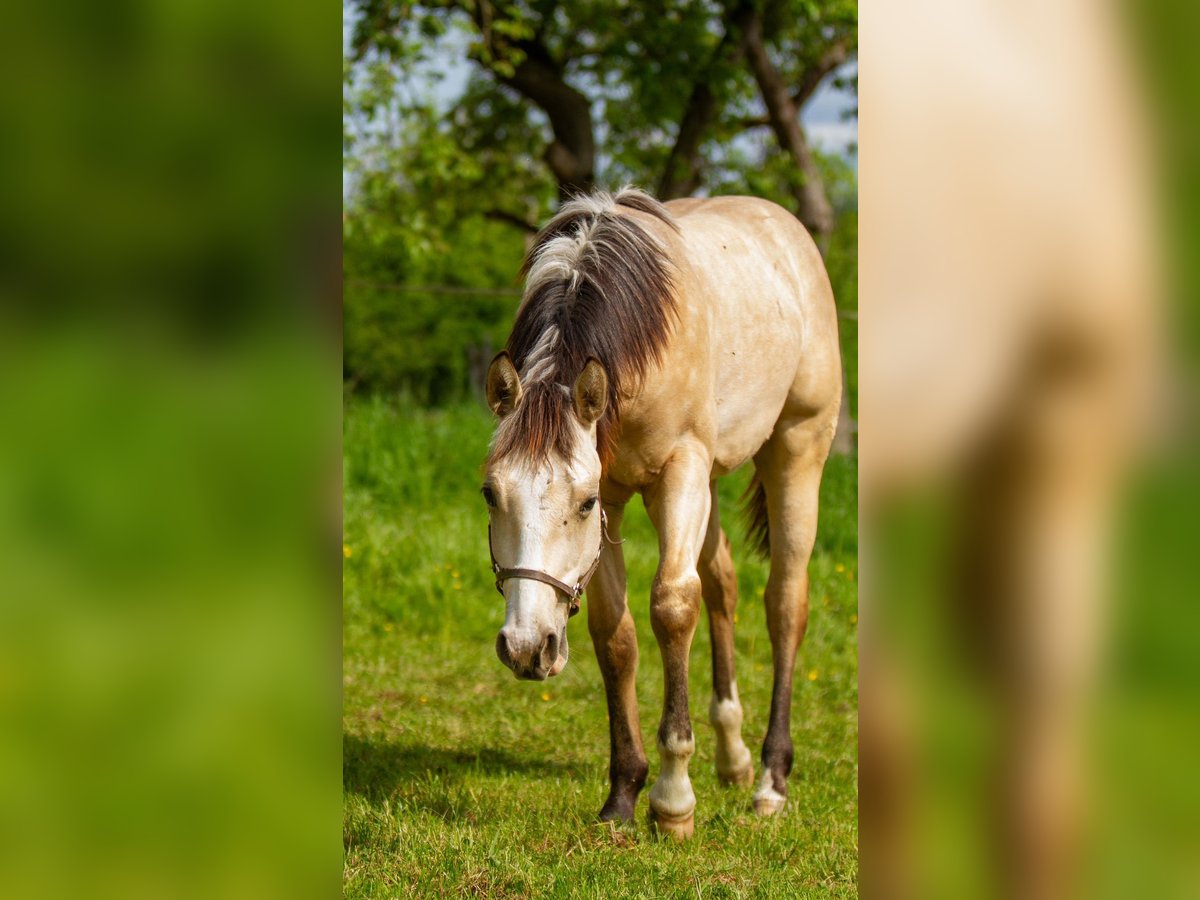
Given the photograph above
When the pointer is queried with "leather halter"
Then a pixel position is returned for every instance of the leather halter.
(570, 593)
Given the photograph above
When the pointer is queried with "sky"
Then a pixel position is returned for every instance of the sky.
(825, 117)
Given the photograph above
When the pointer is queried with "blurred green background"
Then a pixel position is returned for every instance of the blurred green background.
(169, 407)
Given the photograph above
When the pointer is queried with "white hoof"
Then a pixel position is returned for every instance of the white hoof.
(768, 806)
(767, 800)
(678, 828)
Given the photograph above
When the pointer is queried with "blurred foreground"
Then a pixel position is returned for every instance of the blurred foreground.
(168, 451)
(1028, 673)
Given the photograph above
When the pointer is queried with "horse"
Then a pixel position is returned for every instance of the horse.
(656, 348)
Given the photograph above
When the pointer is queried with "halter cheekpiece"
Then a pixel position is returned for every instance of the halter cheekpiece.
(570, 593)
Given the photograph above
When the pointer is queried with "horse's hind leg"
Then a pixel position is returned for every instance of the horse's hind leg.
(789, 466)
(719, 587)
(615, 639)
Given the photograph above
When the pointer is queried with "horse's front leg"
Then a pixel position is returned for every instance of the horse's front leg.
(615, 640)
(678, 506)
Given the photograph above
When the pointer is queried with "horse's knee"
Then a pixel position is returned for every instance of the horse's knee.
(617, 649)
(675, 605)
(607, 625)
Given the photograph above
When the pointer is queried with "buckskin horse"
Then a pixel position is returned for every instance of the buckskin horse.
(656, 348)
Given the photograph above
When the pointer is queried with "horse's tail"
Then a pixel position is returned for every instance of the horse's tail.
(754, 513)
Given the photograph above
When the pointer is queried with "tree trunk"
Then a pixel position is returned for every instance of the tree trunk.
(539, 79)
(682, 173)
(572, 155)
(813, 206)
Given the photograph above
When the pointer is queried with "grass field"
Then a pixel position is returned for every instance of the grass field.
(460, 780)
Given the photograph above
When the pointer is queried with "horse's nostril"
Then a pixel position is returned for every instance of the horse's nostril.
(549, 652)
(502, 650)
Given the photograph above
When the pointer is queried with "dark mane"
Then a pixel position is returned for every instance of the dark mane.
(597, 285)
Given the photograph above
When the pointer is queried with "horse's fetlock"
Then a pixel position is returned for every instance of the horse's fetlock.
(725, 715)
(777, 757)
(640, 773)
(676, 743)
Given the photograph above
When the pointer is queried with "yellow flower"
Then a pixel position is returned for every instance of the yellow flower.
(545, 696)
(346, 551)
(854, 619)
(424, 699)
(387, 626)
(839, 568)
(735, 619)
(454, 575)
(812, 675)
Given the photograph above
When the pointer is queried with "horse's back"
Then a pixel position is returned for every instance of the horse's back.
(753, 279)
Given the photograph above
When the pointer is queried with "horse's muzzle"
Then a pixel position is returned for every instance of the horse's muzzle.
(529, 661)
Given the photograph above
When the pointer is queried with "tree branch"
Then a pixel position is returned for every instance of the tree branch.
(681, 174)
(813, 206)
(539, 78)
(572, 155)
(502, 215)
(834, 56)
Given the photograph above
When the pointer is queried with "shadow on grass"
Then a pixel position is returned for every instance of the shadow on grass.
(375, 767)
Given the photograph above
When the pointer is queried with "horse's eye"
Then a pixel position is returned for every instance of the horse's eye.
(586, 506)
(488, 496)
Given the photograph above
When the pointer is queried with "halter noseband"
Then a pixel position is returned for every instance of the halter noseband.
(571, 593)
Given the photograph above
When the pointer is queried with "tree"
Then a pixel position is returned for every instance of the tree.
(667, 84)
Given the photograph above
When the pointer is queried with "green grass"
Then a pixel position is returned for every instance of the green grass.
(458, 779)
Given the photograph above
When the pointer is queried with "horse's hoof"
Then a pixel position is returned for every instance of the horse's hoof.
(743, 777)
(618, 811)
(769, 804)
(678, 828)
(767, 800)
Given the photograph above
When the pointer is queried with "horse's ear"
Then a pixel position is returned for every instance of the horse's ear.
(591, 392)
(503, 385)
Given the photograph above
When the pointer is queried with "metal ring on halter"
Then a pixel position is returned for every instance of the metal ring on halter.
(571, 593)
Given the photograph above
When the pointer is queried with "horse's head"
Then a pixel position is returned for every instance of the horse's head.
(545, 518)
